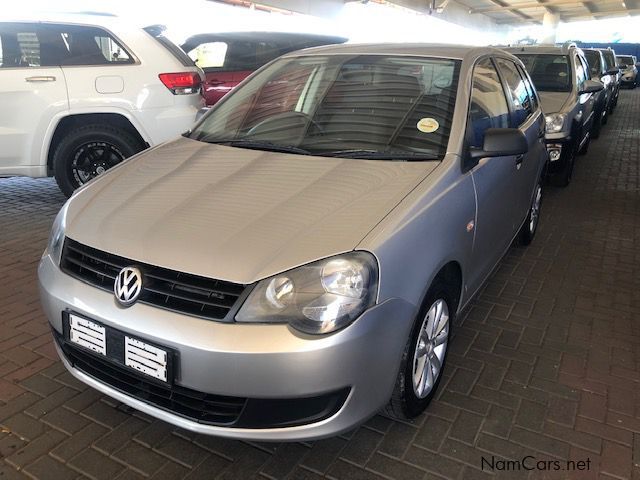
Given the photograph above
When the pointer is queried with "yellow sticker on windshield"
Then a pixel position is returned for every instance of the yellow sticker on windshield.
(428, 125)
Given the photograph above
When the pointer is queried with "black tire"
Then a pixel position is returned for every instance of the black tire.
(91, 149)
(597, 126)
(530, 226)
(405, 404)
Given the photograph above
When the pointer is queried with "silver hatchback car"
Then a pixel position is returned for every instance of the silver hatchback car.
(296, 262)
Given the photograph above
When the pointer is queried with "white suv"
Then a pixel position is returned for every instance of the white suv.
(80, 96)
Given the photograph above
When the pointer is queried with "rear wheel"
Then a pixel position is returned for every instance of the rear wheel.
(88, 152)
(425, 355)
(597, 126)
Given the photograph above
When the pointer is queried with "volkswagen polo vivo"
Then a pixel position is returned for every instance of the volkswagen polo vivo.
(296, 262)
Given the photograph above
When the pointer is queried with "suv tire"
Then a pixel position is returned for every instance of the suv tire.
(405, 403)
(89, 151)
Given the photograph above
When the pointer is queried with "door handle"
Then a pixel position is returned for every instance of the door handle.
(42, 78)
(519, 160)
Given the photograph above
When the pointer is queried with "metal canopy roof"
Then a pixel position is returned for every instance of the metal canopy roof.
(532, 11)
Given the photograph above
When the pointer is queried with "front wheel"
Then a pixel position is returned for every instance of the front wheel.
(88, 152)
(424, 356)
(528, 229)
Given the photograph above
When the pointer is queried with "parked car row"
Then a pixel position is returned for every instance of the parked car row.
(579, 89)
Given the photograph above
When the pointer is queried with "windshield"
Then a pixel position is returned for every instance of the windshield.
(353, 106)
(626, 61)
(550, 73)
(593, 58)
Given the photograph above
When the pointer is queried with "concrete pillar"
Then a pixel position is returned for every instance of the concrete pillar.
(549, 27)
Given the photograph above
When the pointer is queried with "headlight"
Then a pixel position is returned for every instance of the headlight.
(555, 122)
(56, 237)
(318, 298)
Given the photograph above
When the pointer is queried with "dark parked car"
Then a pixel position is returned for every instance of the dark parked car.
(604, 98)
(614, 72)
(229, 58)
(567, 94)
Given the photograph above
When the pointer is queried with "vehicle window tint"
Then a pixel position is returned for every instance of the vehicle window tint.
(593, 59)
(549, 72)
(209, 55)
(581, 73)
(46, 45)
(488, 107)
(157, 32)
(21, 46)
(87, 45)
(267, 51)
(521, 102)
(533, 96)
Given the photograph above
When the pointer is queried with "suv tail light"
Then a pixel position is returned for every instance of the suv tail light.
(182, 83)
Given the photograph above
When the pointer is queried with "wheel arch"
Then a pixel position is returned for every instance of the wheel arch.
(450, 274)
(69, 122)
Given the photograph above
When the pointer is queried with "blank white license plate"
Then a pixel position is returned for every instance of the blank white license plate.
(87, 334)
(145, 358)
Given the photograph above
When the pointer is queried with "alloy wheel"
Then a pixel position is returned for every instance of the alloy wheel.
(93, 159)
(431, 348)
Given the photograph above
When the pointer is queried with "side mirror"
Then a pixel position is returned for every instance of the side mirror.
(613, 71)
(591, 86)
(501, 142)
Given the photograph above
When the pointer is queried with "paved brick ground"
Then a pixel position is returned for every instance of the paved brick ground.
(545, 363)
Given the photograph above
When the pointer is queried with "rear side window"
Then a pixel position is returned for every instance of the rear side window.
(47, 45)
(488, 108)
(522, 106)
(21, 47)
(157, 32)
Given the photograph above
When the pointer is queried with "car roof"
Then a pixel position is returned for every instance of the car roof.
(98, 19)
(454, 52)
(263, 36)
(539, 49)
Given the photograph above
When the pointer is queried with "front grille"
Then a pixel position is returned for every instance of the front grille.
(201, 407)
(164, 288)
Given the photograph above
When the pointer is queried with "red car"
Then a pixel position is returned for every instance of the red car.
(228, 58)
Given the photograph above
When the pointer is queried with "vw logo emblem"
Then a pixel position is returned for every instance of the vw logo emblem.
(128, 286)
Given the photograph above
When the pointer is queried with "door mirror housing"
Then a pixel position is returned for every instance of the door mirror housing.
(591, 86)
(501, 142)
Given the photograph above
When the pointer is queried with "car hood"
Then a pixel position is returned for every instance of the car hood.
(553, 102)
(236, 214)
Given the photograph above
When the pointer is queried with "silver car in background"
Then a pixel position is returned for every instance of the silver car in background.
(295, 263)
(628, 70)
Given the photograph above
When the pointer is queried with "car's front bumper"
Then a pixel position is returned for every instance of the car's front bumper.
(268, 361)
(559, 149)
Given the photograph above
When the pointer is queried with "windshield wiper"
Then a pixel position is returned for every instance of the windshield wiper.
(262, 145)
(379, 155)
